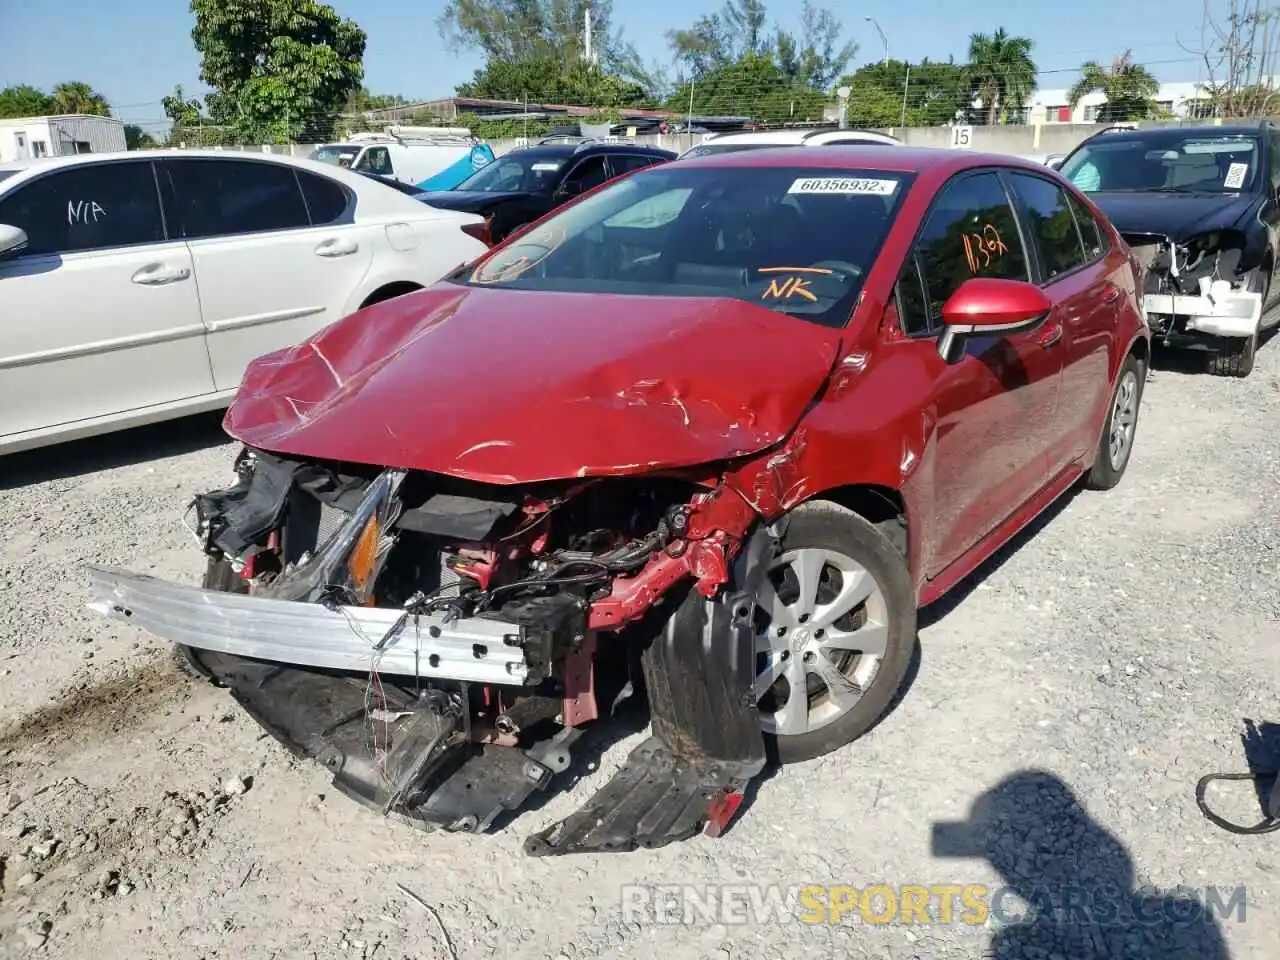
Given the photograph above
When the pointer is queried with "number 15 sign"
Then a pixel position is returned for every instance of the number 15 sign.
(961, 137)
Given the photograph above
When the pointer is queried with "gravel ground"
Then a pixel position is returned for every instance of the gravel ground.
(1065, 703)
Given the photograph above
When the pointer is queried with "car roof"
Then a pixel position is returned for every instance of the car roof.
(29, 169)
(795, 135)
(866, 157)
(561, 151)
(1236, 128)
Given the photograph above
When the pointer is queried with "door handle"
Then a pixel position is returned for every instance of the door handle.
(1112, 294)
(156, 274)
(336, 248)
(1051, 335)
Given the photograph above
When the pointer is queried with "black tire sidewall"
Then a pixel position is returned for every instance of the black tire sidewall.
(828, 526)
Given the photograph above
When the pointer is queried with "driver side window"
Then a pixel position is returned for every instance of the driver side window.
(971, 231)
(589, 173)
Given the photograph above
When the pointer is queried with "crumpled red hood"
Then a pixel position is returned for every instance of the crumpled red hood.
(507, 386)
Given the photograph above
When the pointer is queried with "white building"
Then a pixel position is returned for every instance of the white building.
(1187, 100)
(34, 137)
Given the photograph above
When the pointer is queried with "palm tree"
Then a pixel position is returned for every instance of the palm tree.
(1128, 86)
(77, 97)
(1001, 71)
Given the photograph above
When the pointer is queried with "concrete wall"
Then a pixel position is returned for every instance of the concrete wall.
(1019, 140)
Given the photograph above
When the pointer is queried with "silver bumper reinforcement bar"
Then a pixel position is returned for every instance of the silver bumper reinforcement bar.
(475, 649)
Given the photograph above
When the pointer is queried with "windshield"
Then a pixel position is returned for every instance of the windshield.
(515, 173)
(338, 154)
(1165, 161)
(796, 240)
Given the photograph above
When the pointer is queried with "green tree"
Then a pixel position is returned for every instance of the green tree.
(754, 87)
(516, 31)
(135, 138)
(813, 56)
(183, 112)
(360, 100)
(280, 69)
(1001, 70)
(76, 97)
(917, 94)
(1129, 87)
(24, 101)
(548, 79)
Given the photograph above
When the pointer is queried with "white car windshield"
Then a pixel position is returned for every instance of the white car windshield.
(796, 240)
(339, 155)
(1164, 161)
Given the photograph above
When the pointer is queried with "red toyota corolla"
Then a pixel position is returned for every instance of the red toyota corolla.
(714, 431)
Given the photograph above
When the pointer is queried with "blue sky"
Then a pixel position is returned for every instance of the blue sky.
(134, 51)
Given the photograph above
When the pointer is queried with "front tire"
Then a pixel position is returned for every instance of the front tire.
(1234, 356)
(835, 632)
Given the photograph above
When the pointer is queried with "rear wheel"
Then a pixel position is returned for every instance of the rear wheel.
(1116, 444)
(835, 631)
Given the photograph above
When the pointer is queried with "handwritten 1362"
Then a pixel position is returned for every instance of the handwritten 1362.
(983, 247)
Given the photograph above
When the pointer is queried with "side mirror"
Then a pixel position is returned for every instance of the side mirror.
(11, 238)
(985, 306)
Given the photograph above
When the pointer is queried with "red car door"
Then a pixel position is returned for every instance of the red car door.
(992, 412)
(1075, 273)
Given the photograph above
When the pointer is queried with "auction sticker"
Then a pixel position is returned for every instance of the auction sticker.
(844, 185)
(1235, 176)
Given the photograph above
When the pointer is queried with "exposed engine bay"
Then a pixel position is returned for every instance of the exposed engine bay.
(439, 644)
(1196, 287)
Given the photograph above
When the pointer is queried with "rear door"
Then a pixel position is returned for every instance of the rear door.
(98, 313)
(1075, 273)
(993, 411)
(277, 254)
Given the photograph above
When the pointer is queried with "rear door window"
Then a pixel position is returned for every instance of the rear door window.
(1052, 224)
(971, 231)
(88, 207)
(625, 163)
(1091, 232)
(326, 200)
(216, 198)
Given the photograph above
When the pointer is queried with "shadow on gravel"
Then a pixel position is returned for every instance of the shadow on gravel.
(957, 595)
(1070, 884)
(122, 448)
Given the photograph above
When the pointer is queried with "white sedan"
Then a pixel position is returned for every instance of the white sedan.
(136, 287)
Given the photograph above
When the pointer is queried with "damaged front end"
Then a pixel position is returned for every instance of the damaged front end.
(439, 644)
(1200, 287)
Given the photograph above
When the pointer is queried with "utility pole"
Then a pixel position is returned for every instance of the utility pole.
(883, 41)
(587, 53)
(906, 85)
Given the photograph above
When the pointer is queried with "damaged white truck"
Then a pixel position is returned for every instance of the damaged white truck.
(1199, 208)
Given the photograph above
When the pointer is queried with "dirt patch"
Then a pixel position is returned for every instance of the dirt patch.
(93, 712)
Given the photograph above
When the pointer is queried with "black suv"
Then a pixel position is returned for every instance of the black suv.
(528, 182)
(1200, 209)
